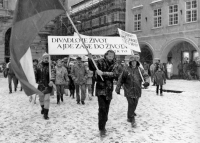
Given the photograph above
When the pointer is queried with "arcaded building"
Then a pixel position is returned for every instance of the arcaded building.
(168, 30)
(39, 45)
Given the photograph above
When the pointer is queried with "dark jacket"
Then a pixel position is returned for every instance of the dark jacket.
(160, 78)
(35, 68)
(10, 70)
(43, 75)
(132, 82)
(105, 87)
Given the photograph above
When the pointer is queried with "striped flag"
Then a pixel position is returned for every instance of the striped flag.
(30, 16)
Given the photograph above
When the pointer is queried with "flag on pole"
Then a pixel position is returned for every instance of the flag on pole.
(30, 16)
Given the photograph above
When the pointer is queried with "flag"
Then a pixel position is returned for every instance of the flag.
(30, 16)
(130, 40)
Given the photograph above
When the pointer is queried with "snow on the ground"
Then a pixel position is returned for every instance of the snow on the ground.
(172, 118)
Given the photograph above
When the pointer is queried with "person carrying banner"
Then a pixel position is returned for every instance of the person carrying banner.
(45, 84)
(79, 76)
(132, 82)
(104, 88)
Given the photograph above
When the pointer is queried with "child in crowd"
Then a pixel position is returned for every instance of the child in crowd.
(160, 80)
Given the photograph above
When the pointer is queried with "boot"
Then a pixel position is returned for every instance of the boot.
(46, 111)
(102, 133)
(133, 124)
(42, 111)
(58, 99)
(62, 98)
(129, 120)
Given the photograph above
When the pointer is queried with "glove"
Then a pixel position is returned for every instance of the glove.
(117, 91)
(146, 84)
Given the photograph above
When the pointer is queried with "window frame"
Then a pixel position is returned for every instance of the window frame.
(173, 13)
(136, 22)
(157, 18)
(191, 9)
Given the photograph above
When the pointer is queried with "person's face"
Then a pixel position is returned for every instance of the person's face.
(34, 63)
(79, 62)
(59, 63)
(134, 63)
(45, 59)
(110, 56)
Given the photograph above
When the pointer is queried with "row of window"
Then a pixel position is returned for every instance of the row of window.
(191, 15)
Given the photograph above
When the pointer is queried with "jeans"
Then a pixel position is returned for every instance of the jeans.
(104, 105)
(10, 79)
(132, 105)
(157, 88)
(60, 92)
(83, 92)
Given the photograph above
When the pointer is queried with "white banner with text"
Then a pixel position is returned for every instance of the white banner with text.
(72, 45)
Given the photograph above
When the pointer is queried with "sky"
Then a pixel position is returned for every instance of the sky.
(72, 2)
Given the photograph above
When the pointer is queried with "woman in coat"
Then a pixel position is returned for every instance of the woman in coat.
(132, 81)
(61, 80)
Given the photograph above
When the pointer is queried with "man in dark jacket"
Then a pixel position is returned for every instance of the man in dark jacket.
(132, 81)
(104, 88)
(11, 77)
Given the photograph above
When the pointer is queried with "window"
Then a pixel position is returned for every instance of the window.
(186, 56)
(173, 14)
(157, 18)
(112, 17)
(195, 55)
(191, 11)
(105, 18)
(137, 22)
(1, 3)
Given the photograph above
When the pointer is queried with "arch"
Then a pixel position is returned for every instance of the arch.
(146, 51)
(149, 45)
(7, 44)
(168, 47)
(4, 32)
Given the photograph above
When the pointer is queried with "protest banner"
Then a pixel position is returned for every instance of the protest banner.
(72, 45)
(130, 40)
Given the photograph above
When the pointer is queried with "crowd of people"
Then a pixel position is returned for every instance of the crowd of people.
(76, 78)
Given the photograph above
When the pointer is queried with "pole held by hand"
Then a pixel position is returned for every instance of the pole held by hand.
(82, 42)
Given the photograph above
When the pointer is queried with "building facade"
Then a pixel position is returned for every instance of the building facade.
(168, 30)
(6, 15)
(39, 45)
(95, 18)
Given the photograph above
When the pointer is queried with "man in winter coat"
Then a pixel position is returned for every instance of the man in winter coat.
(79, 76)
(11, 77)
(45, 84)
(108, 70)
(132, 81)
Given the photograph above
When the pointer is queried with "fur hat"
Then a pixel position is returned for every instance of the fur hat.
(45, 55)
(132, 58)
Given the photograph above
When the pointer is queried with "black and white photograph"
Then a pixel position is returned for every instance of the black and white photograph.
(99, 71)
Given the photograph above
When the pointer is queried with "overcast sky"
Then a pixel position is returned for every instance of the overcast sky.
(72, 2)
